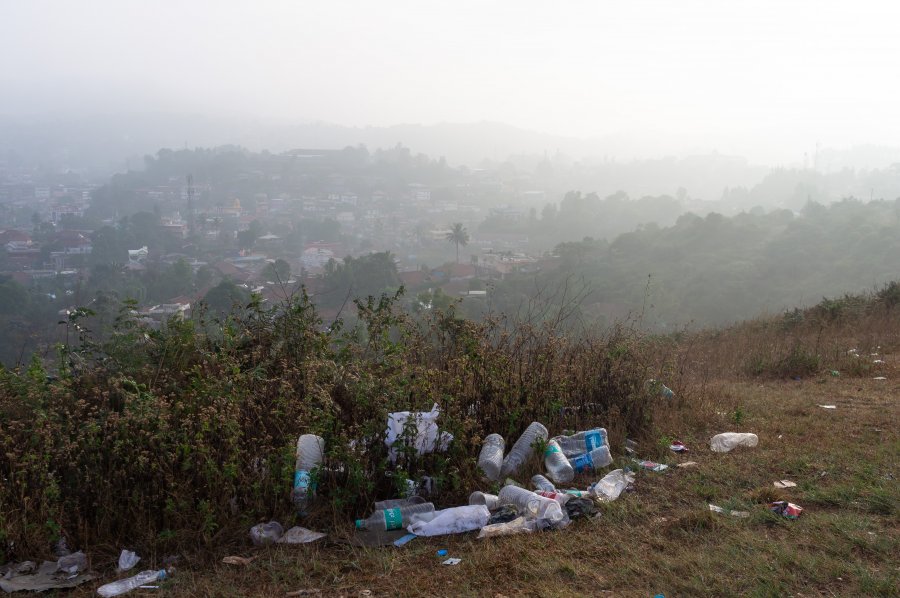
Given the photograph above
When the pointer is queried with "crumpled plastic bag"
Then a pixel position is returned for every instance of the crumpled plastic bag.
(299, 535)
(127, 560)
(452, 521)
(266, 533)
(612, 485)
(427, 439)
(516, 526)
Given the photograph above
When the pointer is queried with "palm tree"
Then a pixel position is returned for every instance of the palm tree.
(459, 235)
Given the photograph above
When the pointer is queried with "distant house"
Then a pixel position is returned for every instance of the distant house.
(413, 279)
(73, 242)
(138, 256)
(15, 238)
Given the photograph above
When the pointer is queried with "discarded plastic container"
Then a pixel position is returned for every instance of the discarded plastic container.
(597, 458)
(557, 465)
(491, 501)
(582, 442)
(72, 563)
(266, 533)
(490, 460)
(398, 503)
(532, 504)
(523, 449)
(310, 449)
(612, 485)
(123, 586)
(542, 483)
(391, 519)
(455, 520)
(127, 560)
(516, 526)
(722, 443)
(666, 392)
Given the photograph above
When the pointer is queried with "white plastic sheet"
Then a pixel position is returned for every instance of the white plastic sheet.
(427, 439)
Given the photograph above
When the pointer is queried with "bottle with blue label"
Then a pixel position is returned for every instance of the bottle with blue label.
(310, 451)
(582, 442)
(391, 519)
(597, 458)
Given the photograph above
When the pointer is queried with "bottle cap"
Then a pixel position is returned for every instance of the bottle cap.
(360, 524)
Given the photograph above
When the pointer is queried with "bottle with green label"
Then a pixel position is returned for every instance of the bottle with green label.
(557, 465)
(391, 519)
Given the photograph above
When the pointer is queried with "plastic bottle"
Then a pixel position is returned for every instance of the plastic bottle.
(264, 534)
(557, 465)
(490, 460)
(391, 519)
(560, 497)
(597, 458)
(123, 586)
(542, 483)
(532, 504)
(454, 520)
(612, 485)
(722, 443)
(309, 456)
(491, 501)
(523, 449)
(398, 503)
(582, 442)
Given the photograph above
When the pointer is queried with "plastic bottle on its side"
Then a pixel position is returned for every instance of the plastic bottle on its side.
(532, 504)
(597, 458)
(582, 442)
(523, 449)
(122, 586)
(391, 519)
(542, 483)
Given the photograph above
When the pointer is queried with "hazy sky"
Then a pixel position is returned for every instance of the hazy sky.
(763, 78)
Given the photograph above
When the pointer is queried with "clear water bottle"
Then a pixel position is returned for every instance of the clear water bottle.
(398, 503)
(542, 483)
(556, 463)
(491, 501)
(532, 504)
(597, 458)
(391, 519)
(490, 460)
(523, 449)
(582, 442)
(123, 586)
(310, 449)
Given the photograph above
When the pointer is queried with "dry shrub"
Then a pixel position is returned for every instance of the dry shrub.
(182, 438)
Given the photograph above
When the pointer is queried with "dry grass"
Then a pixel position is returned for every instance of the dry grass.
(661, 538)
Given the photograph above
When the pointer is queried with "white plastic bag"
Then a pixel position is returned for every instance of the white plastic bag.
(722, 443)
(516, 526)
(127, 560)
(612, 485)
(451, 521)
(427, 437)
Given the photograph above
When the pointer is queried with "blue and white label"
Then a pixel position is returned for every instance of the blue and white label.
(301, 480)
(594, 439)
(583, 463)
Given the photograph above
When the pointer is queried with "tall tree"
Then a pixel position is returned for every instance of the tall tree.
(458, 235)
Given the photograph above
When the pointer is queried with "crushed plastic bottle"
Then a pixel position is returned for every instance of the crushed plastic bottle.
(516, 526)
(582, 442)
(123, 586)
(523, 449)
(490, 460)
(533, 505)
(612, 485)
(391, 519)
(597, 458)
(491, 501)
(542, 483)
(310, 450)
(266, 533)
(722, 443)
(455, 520)
(557, 465)
(398, 503)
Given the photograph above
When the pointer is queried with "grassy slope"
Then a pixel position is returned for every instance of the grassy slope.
(661, 538)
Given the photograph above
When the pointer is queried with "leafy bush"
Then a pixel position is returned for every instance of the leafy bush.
(185, 436)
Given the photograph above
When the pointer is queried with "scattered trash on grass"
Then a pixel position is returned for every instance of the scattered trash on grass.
(630, 446)
(651, 465)
(455, 520)
(264, 534)
(428, 439)
(28, 577)
(786, 509)
(879, 378)
(401, 541)
(722, 443)
(835, 373)
(611, 485)
(516, 526)
(452, 561)
(490, 460)
(687, 464)
(678, 447)
(127, 560)
(307, 592)
(717, 509)
(784, 484)
(828, 406)
(523, 448)
(238, 560)
(310, 451)
(442, 552)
